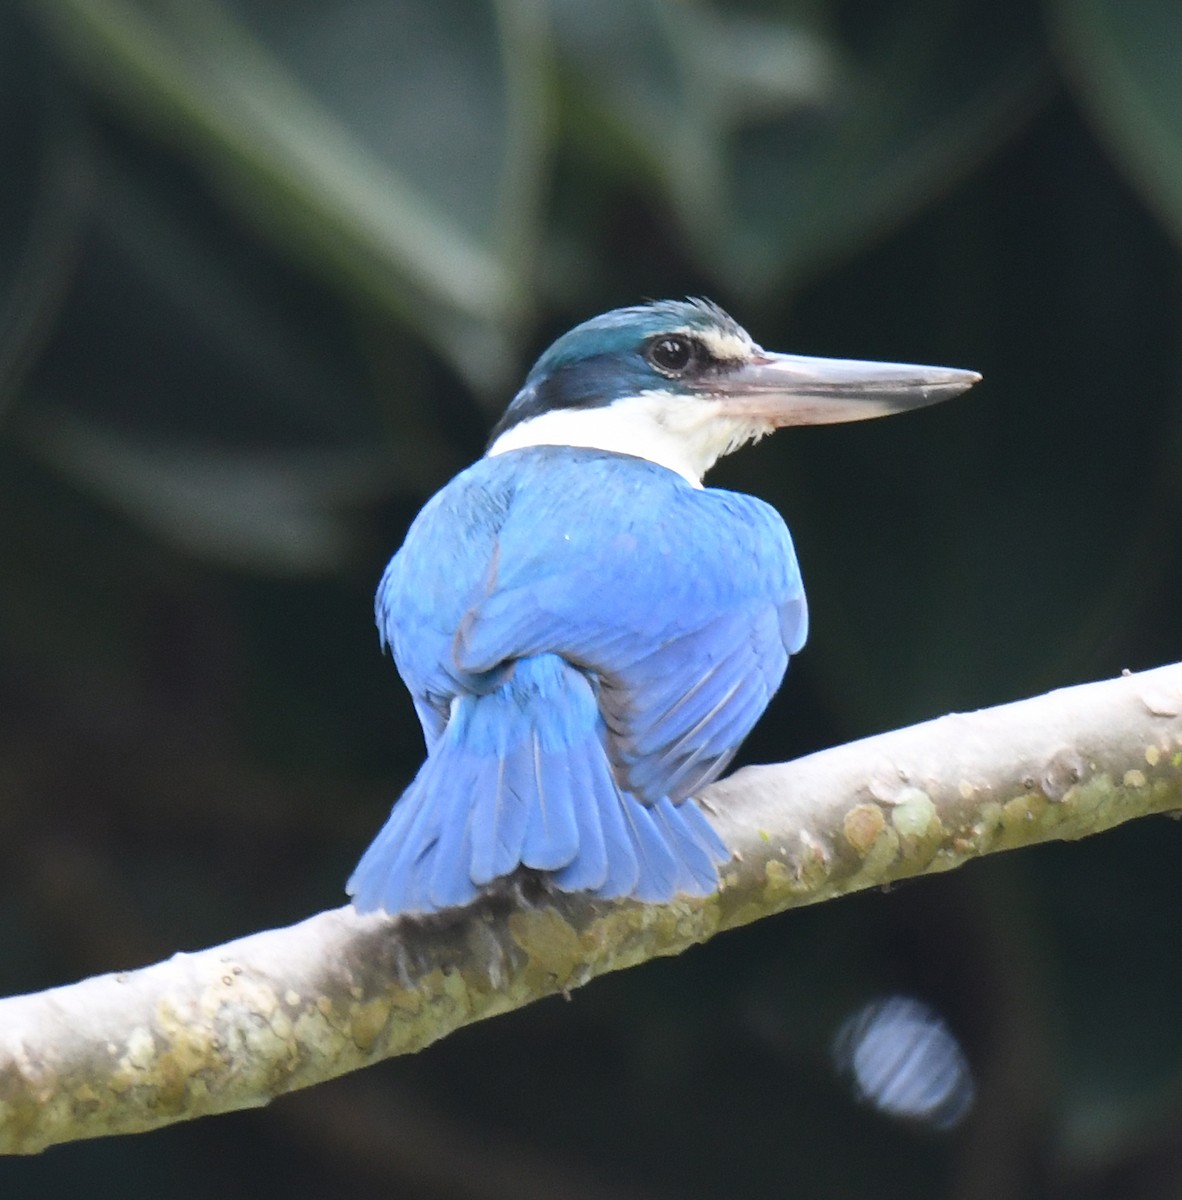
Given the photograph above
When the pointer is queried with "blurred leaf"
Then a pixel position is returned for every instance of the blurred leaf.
(930, 92)
(44, 176)
(780, 144)
(669, 79)
(269, 511)
(208, 391)
(1124, 63)
(387, 144)
(178, 325)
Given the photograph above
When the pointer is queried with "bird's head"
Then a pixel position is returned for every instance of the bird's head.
(681, 383)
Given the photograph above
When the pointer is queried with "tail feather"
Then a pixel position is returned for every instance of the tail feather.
(498, 829)
(698, 849)
(658, 865)
(391, 875)
(520, 777)
(552, 837)
(450, 868)
(420, 863)
(590, 869)
(700, 829)
(623, 863)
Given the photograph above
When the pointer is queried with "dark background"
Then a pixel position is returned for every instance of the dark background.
(268, 272)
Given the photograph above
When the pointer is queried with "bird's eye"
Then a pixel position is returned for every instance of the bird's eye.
(673, 355)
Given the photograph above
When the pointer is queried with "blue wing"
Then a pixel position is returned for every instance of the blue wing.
(588, 638)
(684, 603)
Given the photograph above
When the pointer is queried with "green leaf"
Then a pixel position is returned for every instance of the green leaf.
(267, 511)
(779, 142)
(1123, 63)
(388, 145)
(44, 181)
(931, 91)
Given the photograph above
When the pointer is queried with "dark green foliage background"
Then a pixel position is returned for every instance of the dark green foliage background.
(269, 270)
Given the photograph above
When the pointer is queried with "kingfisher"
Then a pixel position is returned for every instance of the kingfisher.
(587, 631)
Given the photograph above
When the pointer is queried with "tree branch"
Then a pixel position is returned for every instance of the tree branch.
(233, 1026)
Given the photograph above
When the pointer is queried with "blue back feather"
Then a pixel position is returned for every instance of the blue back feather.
(588, 638)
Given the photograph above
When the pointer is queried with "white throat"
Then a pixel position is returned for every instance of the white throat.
(686, 436)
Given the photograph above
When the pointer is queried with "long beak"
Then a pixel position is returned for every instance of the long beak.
(788, 389)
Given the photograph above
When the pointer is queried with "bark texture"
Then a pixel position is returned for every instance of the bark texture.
(235, 1025)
